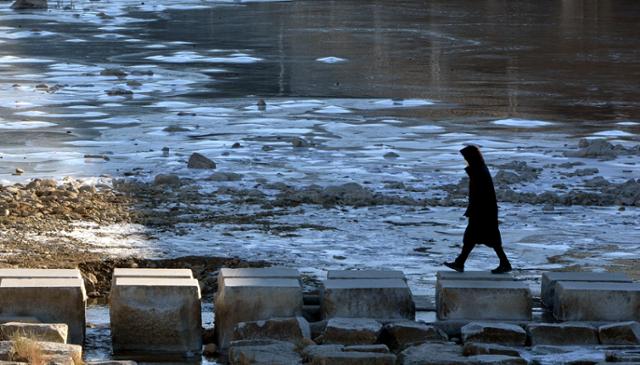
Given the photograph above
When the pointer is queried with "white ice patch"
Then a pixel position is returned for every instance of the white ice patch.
(25, 125)
(521, 123)
(402, 103)
(612, 133)
(629, 123)
(190, 56)
(15, 60)
(25, 34)
(75, 40)
(331, 60)
(428, 129)
(332, 109)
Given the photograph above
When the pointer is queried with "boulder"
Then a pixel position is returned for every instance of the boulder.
(501, 333)
(593, 301)
(621, 333)
(29, 4)
(167, 179)
(433, 354)
(400, 335)
(367, 298)
(562, 334)
(352, 331)
(264, 352)
(284, 329)
(52, 332)
(156, 314)
(478, 348)
(198, 161)
(59, 352)
(353, 358)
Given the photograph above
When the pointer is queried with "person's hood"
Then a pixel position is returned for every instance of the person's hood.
(473, 156)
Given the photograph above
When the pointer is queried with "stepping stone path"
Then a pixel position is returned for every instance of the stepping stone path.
(367, 294)
(155, 311)
(246, 295)
(596, 301)
(50, 296)
(550, 280)
(481, 296)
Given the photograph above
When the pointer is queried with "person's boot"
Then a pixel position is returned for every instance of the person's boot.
(502, 268)
(455, 266)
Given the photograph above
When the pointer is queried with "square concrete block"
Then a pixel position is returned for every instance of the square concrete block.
(469, 275)
(40, 273)
(589, 301)
(265, 273)
(152, 273)
(365, 274)
(60, 300)
(156, 315)
(253, 299)
(484, 300)
(367, 298)
(549, 280)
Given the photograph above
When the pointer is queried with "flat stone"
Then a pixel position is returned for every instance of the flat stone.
(160, 315)
(433, 354)
(365, 274)
(367, 298)
(152, 273)
(478, 348)
(267, 353)
(589, 301)
(353, 358)
(59, 300)
(501, 333)
(40, 273)
(549, 280)
(379, 348)
(352, 331)
(51, 332)
(312, 351)
(484, 300)
(264, 273)
(283, 329)
(620, 333)
(562, 334)
(254, 299)
(400, 335)
(496, 360)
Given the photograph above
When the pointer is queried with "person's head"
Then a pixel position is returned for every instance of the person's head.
(472, 155)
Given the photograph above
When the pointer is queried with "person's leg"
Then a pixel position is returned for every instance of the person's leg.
(505, 265)
(467, 247)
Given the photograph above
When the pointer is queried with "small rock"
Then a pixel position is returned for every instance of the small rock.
(29, 4)
(175, 129)
(262, 105)
(622, 333)
(391, 155)
(19, 171)
(352, 331)
(562, 334)
(167, 179)
(113, 72)
(198, 161)
(225, 176)
(119, 91)
(236, 145)
(298, 142)
(501, 333)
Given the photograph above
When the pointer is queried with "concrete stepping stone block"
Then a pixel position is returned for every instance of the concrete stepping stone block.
(620, 333)
(484, 300)
(40, 273)
(550, 279)
(365, 274)
(264, 273)
(51, 332)
(152, 273)
(469, 275)
(159, 315)
(352, 331)
(283, 329)
(51, 300)
(591, 301)
(254, 299)
(367, 298)
(500, 333)
(401, 335)
(562, 334)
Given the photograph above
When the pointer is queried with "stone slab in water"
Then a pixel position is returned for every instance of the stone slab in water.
(51, 300)
(40, 273)
(367, 298)
(365, 274)
(484, 300)
(589, 301)
(156, 315)
(152, 273)
(549, 280)
(266, 273)
(254, 299)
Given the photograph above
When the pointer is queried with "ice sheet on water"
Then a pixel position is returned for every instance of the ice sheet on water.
(628, 123)
(331, 59)
(332, 109)
(25, 125)
(25, 34)
(521, 123)
(17, 60)
(193, 57)
(613, 133)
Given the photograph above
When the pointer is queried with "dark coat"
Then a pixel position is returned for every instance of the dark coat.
(482, 210)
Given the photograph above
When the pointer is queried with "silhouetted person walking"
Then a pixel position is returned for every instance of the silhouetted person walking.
(482, 212)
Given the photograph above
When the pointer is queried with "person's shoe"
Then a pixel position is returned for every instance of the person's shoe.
(455, 266)
(502, 269)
